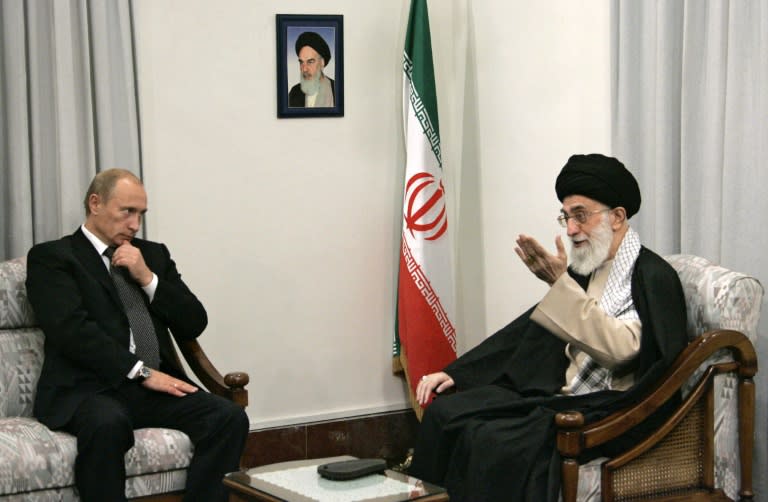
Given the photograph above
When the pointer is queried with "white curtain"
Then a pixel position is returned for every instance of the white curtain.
(690, 101)
(68, 109)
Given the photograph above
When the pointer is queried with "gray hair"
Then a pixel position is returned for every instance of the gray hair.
(103, 184)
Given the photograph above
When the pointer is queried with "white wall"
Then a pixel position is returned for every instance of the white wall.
(288, 229)
(543, 89)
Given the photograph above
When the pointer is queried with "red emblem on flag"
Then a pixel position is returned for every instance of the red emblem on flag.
(425, 208)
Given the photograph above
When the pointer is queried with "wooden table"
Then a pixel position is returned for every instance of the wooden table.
(298, 481)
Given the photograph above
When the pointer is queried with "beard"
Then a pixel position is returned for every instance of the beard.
(311, 85)
(585, 259)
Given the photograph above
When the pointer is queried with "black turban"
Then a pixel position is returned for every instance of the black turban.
(315, 41)
(601, 178)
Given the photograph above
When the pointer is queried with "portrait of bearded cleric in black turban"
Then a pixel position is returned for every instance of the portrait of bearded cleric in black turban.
(310, 65)
(315, 88)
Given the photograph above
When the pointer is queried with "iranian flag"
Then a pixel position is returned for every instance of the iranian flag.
(425, 337)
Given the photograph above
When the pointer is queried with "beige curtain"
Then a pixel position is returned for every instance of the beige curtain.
(68, 109)
(690, 101)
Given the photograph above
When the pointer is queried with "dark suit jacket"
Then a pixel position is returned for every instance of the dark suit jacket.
(86, 330)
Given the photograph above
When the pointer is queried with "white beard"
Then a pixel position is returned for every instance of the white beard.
(311, 85)
(585, 259)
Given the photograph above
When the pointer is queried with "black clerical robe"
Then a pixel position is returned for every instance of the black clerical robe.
(494, 439)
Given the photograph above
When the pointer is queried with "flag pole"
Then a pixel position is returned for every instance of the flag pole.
(425, 337)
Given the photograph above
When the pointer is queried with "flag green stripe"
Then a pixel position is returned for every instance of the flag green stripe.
(428, 128)
(418, 50)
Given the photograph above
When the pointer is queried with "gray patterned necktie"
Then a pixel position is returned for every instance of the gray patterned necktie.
(138, 316)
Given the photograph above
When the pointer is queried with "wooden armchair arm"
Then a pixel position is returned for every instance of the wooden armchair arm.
(676, 376)
(231, 386)
(574, 436)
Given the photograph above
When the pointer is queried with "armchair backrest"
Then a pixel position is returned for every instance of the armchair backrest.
(703, 443)
(22, 351)
(21, 342)
(718, 298)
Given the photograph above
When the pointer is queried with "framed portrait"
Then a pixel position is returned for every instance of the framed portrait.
(310, 65)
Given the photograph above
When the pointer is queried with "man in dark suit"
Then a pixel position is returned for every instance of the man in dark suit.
(104, 375)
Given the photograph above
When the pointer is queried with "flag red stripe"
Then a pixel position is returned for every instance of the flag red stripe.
(421, 335)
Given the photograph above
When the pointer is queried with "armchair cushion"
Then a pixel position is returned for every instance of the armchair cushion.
(37, 464)
(716, 298)
(37, 458)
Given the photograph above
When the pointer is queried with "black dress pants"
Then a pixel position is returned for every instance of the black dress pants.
(104, 425)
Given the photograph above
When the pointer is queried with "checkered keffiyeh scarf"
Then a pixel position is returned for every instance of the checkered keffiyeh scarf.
(616, 301)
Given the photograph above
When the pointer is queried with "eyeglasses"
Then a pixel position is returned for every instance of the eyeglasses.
(580, 216)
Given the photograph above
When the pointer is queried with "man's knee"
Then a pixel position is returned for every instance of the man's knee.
(237, 419)
(232, 416)
(114, 426)
(242, 419)
(229, 418)
(441, 410)
(107, 427)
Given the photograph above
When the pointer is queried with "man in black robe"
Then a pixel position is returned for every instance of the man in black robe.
(611, 323)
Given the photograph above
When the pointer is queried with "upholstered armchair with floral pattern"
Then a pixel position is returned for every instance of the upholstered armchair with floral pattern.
(37, 464)
(704, 451)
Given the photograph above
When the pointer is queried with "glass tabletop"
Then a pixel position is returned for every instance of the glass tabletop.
(298, 481)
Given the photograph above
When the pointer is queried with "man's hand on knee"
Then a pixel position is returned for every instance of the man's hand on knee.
(434, 382)
(162, 382)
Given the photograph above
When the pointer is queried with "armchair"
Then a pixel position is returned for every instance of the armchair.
(37, 463)
(704, 449)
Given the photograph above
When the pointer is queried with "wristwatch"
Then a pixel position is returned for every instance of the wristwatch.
(143, 374)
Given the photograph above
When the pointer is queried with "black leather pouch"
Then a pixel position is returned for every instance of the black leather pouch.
(351, 469)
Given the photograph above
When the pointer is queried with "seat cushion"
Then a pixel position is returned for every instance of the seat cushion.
(36, 458)
(158, 450)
